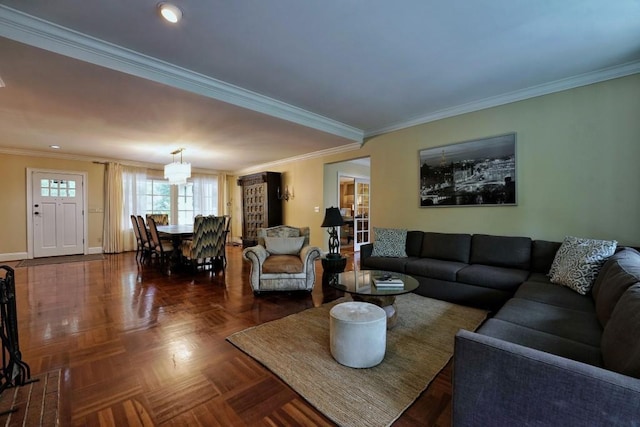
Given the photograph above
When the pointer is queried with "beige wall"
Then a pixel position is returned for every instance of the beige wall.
(13, 212)
(578, 173)
(578, 169)
(578, 154)
(306, 179)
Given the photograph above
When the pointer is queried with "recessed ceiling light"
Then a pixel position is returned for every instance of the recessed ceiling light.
(170, 12)
(55, 147)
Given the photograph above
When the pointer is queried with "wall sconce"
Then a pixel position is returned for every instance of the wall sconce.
(286, 195)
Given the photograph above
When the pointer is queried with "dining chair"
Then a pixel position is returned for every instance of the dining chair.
(139, 242)
(160, 219)
(227, 226)
(160, 248)
(144, 236)
(207, 245)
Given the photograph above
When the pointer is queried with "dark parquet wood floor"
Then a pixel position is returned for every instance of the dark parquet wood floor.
(140, 348)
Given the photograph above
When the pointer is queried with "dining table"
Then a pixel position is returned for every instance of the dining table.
(177, 233)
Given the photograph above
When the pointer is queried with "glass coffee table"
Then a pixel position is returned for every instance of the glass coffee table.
(362, 287)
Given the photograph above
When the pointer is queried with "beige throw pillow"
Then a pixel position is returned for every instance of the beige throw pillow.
(284, 245)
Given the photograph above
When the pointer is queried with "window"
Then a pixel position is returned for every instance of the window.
(185, 204)
(199, 197)
(57, 188)
(158, 195)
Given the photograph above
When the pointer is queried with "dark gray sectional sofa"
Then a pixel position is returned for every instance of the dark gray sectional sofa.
(547, 355)
(476, 270)
(551, 356)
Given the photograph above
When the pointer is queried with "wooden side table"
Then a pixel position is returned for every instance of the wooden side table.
(333, 265)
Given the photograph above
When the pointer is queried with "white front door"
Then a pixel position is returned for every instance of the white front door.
(57, 211)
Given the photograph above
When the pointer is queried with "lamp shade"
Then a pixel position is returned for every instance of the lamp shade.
(332, 218)
(177, 172)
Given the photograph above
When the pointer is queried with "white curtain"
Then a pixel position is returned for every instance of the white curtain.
(112, 238)
(134, 202)
(205, 194)
(223, 208)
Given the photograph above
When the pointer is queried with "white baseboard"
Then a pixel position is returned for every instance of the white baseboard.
(94, 250)
(13, 257)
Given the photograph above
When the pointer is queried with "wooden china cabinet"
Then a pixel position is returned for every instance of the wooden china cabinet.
(261, 206)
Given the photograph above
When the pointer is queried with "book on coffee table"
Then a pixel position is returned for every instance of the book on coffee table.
(388, 281)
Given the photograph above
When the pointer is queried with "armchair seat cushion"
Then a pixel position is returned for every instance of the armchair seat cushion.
(289, 264)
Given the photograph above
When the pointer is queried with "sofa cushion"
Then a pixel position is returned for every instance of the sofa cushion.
(492, 277)
(571, 324)
(501, 251)
(434, 268)
(622, 253)
(389, 242)
(283, 264)
(461, 293)
(619, 272)
(284, 245)
(387, 263)
(620, 342)
(446, 246)
(414, 243)
(542, 341)
(560, 296)
(578, 262)
(539, 277)
(542, 254)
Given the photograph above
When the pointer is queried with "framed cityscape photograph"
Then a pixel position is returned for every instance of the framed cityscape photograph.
(481, 172)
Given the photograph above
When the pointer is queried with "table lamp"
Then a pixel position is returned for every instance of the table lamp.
(333, 219)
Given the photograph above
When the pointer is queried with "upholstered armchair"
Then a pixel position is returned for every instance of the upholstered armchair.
(282, 260)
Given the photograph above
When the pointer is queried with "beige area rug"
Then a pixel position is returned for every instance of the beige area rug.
(59, 260)
(296, 348)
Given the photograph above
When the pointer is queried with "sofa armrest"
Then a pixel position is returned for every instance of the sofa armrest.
(365, 252)
(309, 254)
(255, 254)
(496, 382)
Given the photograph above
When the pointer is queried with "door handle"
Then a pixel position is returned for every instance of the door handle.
(36, 213)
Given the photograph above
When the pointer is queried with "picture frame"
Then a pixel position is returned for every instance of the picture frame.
(479, 172)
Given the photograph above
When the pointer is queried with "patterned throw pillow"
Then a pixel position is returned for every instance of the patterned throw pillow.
(578, 262)
(390, 242)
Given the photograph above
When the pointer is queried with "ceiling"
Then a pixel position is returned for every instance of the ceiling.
(241, 84)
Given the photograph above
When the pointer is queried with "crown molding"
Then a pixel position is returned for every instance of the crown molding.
(24, 28)
(519, 95)
(265, 166)
(93, 159)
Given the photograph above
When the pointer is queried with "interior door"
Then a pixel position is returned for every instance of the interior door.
(361, 223)
(58, 217)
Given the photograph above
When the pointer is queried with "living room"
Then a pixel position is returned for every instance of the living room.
(577, 149)
(576, 158)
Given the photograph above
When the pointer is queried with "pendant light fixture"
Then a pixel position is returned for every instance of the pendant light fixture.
(177, 172)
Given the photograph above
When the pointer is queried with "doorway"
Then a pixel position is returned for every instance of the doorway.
(339, 189)
(56, 206)
(353, 196)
